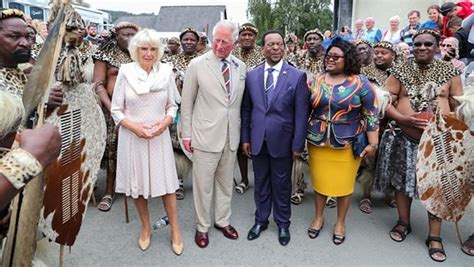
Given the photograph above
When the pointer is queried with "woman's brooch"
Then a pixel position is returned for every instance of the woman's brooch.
(341, 89)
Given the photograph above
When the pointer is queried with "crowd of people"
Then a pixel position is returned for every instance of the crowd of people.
(339, 107)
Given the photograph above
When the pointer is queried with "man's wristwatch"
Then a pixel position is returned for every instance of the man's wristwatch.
(375, 146)
(19, 167)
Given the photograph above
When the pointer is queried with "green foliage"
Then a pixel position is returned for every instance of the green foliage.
(290, 16)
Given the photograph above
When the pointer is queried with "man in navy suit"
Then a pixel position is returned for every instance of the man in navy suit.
(275, 111)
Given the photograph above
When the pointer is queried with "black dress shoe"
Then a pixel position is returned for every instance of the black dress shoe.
(254, 233)
(284, 236)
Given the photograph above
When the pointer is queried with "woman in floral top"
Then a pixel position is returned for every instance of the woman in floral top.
(343, 105)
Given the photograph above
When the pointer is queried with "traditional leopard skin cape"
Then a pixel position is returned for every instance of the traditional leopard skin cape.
(375, 75)
(87, 50)
(251, 58)
(167, 58)
(12, 80)
(115, 56)
(310, 64)
(180, 64)
(415, 79)
(181, 61)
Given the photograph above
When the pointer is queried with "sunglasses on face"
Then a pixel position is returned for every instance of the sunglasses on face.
(333, 57)
(426, 44)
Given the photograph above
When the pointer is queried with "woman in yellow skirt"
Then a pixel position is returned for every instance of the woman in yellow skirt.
(343, 106)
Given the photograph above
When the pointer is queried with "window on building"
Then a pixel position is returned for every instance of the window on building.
(17, 6)
(36, 13)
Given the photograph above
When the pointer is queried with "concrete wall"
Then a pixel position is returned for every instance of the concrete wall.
(382, 10)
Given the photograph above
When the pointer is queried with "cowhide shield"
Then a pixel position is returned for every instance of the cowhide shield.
(445, 167)
(70, 180)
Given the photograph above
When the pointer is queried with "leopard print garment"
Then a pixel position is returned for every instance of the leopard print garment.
(115, 56)
(291, 58)
(12, 80)
(180, 64)
(87, 50)
(375, 75)
(251, 58)
(181, 61)
(313, 65)
(167, 58)
(35, 50)
(69, 69)
(415, 80)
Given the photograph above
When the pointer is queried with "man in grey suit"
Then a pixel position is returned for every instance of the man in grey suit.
(210, 108)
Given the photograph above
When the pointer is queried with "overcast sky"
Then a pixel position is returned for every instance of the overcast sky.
(236, 9)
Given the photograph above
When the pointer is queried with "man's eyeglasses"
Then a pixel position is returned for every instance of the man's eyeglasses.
(333, 57)
(426, 44)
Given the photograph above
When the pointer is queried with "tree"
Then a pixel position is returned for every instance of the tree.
(290, 16)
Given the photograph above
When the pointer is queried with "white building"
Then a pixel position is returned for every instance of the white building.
(39, 9)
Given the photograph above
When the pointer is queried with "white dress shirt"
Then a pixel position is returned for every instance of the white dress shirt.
(275, 73)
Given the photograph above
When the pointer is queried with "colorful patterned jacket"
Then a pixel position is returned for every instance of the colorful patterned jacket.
(341, 112)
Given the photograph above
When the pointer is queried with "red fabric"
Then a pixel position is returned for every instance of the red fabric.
(446, 31)
(464, 9)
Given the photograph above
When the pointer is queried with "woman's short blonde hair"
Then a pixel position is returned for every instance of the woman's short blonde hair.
(397, 18)
(142, 38)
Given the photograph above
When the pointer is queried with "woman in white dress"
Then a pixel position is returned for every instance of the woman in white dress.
(143, 106)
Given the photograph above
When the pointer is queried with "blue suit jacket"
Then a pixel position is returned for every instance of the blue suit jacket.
(281, 123)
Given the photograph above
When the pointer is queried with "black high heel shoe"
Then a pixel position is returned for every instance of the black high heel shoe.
(313, 233)
(338, 239)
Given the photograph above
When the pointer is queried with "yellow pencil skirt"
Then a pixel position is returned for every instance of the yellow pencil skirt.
(333, 171)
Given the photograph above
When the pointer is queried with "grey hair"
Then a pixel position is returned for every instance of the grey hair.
(370, 18)
(145, 37)
(11, 108)
(229, 25)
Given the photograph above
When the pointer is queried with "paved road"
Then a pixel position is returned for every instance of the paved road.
(106, 240)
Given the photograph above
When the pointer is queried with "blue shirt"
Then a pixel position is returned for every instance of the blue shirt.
(408, 38)
(373, 35)
(429, 25)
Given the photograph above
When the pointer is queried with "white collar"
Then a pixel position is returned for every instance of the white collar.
(276, 67)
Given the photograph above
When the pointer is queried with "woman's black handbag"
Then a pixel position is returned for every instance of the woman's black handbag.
(359, 143)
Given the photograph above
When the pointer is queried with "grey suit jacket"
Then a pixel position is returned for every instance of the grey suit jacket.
(207, 114)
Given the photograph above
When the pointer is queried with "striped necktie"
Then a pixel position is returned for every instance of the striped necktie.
(269, 84)
(226, 75)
